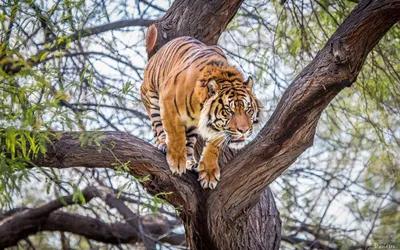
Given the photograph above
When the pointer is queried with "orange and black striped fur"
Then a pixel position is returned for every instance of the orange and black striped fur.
(188, 89)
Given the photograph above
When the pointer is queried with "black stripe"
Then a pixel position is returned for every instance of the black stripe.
(198, 65)
(188, 113)
(176, 76)
(217, 63)
(169, 54)
(149, 69)
(236, 141)
(155, 115)
(176, 106)
(201, 64)
(187, 109)
(160, 63)
(216, 111)
(184, 52)
(153, 78)
(212, 62)
(190, 101)
(184, 44)
(214, 50)
(200, 55)
(213, 128)
(191, 129)
(163, 68)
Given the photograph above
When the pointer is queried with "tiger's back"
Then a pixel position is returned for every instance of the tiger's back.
(174, 70)
(177, 56)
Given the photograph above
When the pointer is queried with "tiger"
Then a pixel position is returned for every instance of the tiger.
(190, 89)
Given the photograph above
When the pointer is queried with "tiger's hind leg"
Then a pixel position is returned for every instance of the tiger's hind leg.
(191, 138)
(152, 104)
(159, 133)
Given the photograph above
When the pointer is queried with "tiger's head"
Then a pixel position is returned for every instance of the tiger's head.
(231, 110)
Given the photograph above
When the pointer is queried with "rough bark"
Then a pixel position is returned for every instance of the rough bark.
(240, 212)
(204, 20)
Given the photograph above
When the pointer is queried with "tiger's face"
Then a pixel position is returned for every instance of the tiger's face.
(230, 112)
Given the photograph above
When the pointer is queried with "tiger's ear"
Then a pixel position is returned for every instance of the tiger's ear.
(249, 83)
(212, 87)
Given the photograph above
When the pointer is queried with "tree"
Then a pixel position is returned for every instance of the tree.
(241, 212)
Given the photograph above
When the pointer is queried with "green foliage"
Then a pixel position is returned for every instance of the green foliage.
(157, 201)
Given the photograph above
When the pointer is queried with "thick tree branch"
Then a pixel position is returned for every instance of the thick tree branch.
(21, 225)
(95, 229)
(119, 148)
(291, 128)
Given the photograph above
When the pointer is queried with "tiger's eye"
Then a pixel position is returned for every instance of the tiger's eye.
(249, 111)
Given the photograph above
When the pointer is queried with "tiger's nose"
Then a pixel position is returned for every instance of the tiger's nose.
(243, 129)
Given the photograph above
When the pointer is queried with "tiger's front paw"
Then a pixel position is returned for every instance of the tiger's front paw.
(176, 163)
(209, 174)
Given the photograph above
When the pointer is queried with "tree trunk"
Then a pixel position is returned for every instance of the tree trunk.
(262, 228)
(259, 229)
